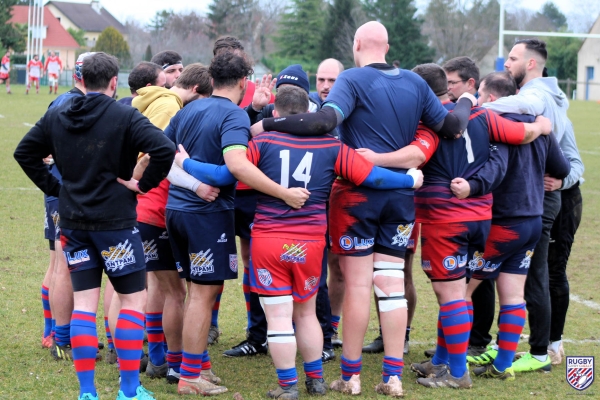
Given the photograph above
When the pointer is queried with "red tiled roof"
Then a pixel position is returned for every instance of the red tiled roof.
(56, 35)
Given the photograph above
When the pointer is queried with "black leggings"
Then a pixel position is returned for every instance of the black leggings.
(124, 284)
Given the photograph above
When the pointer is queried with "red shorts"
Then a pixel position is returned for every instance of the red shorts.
(282, 267)
(34, 79)
(413, 241)
(3, 75)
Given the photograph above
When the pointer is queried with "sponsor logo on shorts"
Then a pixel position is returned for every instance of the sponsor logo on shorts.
(164, 235)
(201, 263)
(348, 243)
(117, 257)
(135, 230)
(294, 253)
(451, 262)
(150, 250)
(233, 262)
(222, 239)
(179, 267)
(310, 283)
(78, 257)
(580, 372)
(426, 265)
(264, 276)
(402, 235)
(527, 260)
(479, 263)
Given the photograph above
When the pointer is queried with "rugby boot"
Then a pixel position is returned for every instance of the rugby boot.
(392, 388)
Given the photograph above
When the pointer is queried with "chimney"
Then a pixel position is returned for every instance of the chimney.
(96, 6)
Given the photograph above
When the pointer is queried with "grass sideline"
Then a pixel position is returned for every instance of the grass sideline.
(28, 372)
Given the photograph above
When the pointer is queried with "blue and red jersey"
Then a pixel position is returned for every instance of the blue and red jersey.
(309, 162)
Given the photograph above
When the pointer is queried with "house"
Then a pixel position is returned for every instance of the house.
(588, 67)
(89, 17)
(57, 38)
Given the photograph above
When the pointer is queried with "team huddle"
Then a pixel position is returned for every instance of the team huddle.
(153, 190)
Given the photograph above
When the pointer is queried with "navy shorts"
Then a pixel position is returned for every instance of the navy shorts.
(118, 252)
(51, 220)
(157, 248)
(203, 245)
(509, 248)
(245, 207)
(364, 221)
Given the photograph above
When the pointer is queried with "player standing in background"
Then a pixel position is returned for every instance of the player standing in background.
(53, 69)
(5, 71)
(35, 70)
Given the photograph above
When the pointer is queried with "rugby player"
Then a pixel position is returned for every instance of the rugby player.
(143, 74)
(5, 71)
(53, 69)
(35, 69)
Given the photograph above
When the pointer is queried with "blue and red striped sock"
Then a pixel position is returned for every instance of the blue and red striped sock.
(206, 365)
(314, 369)
(214, 318)
(156, 338)
(350, 367)
(109, 338)
(456, 326)
(441, 352)
(47, 312)
(62, 334)
(246, 289)
(129, 339)
(392, 366)
(84, 342)
(511, 323)
(191, 366)
(174, 360)
(287, 377)
(335, 321)
(53, 330)
(470, 311)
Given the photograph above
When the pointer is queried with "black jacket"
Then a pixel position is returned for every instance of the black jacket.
(94, 140)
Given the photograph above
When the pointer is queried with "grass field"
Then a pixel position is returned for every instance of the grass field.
(29, 372)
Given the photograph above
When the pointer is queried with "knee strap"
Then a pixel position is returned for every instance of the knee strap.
(281, 337)
(394, 300)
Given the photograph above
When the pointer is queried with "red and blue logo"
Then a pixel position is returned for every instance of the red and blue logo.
(580, 372)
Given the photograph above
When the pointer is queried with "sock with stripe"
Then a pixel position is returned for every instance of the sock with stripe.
(246, 289)
(457, 328)
(511, 323)
(156, 338)
(214, 318)
(392, 367)
(335, 321)
(109, 338)
(206, 365)
(53, 329)
(350, 367)
(128, 340)
(314, 369)
(287, 377)
(165, 346)
(174, 360)
(441, 352)
(62, 334)
(47, 312)
(191, 366)
(470, 311)
(84, 341)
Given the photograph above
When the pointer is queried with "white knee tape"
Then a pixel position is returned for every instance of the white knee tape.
(281, 337)
(394, 300)
(391, 304)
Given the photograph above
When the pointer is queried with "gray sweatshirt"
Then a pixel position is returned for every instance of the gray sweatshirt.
(542, 96)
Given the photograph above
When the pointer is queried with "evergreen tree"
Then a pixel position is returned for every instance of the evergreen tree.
(112, 42)
(13, 36)
(148, 54)
(301, 30)
(404, 31)
(343, 18)
(78, 35)
(229, 17)
(553, 14)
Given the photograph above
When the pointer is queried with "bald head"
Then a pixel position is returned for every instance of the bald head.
(370, 44)
(327, 73)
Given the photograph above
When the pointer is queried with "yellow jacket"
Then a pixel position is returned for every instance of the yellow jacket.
(158, 104)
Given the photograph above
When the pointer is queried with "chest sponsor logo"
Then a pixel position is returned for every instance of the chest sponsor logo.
(77, 258)
(264, 276)
(233, 262)
(222, 239)
(117, 257)
(349, 243)
(201, 263)
(294, 253)
(527, 260)
(402, 235)
(150, 250)
(310, 283)
(580, 372)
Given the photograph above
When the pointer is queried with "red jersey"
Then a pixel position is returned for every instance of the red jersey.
(152, 205)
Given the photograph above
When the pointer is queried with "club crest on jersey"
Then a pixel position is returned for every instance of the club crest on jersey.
(150, 250)
(222, 239)
(264, 276)
(402, 235)
(78, 257)
(117, 257)
(310, 283)
(451, 262)
(348, 243)
(164, 235)
(294, 253)
(426, 265)
(580, 372)
(201, 263)
(233, 262)
(527, 260)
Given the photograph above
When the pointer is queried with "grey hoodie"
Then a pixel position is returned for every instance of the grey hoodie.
(542, 96)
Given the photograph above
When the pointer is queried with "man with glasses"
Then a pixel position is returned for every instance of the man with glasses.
(463, 77)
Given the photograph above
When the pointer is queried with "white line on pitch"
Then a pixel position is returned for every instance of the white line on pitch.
(28, 124)
(19, 188)
(588, 303)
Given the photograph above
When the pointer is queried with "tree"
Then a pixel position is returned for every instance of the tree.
(12, 36)
(301, 30)
(148, 54)
(343, 18)
(159, 21)
(112, 42)
(562, 58)
(407, 44)
(78, 35)
(553, 14)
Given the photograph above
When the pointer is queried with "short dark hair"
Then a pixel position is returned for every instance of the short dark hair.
(143, 74)
(536, 45)
(227, 43)
(98, 69)
(166, 58)
(435, 77)
(500, 84)
(465, 67)
(291, 100)
(195, 74)
(228, 68)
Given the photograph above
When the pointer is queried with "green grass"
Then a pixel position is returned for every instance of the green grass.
(28, 372)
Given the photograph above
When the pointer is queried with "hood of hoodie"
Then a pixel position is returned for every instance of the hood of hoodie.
(149, 94)
(84, 112)
(555, 100)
